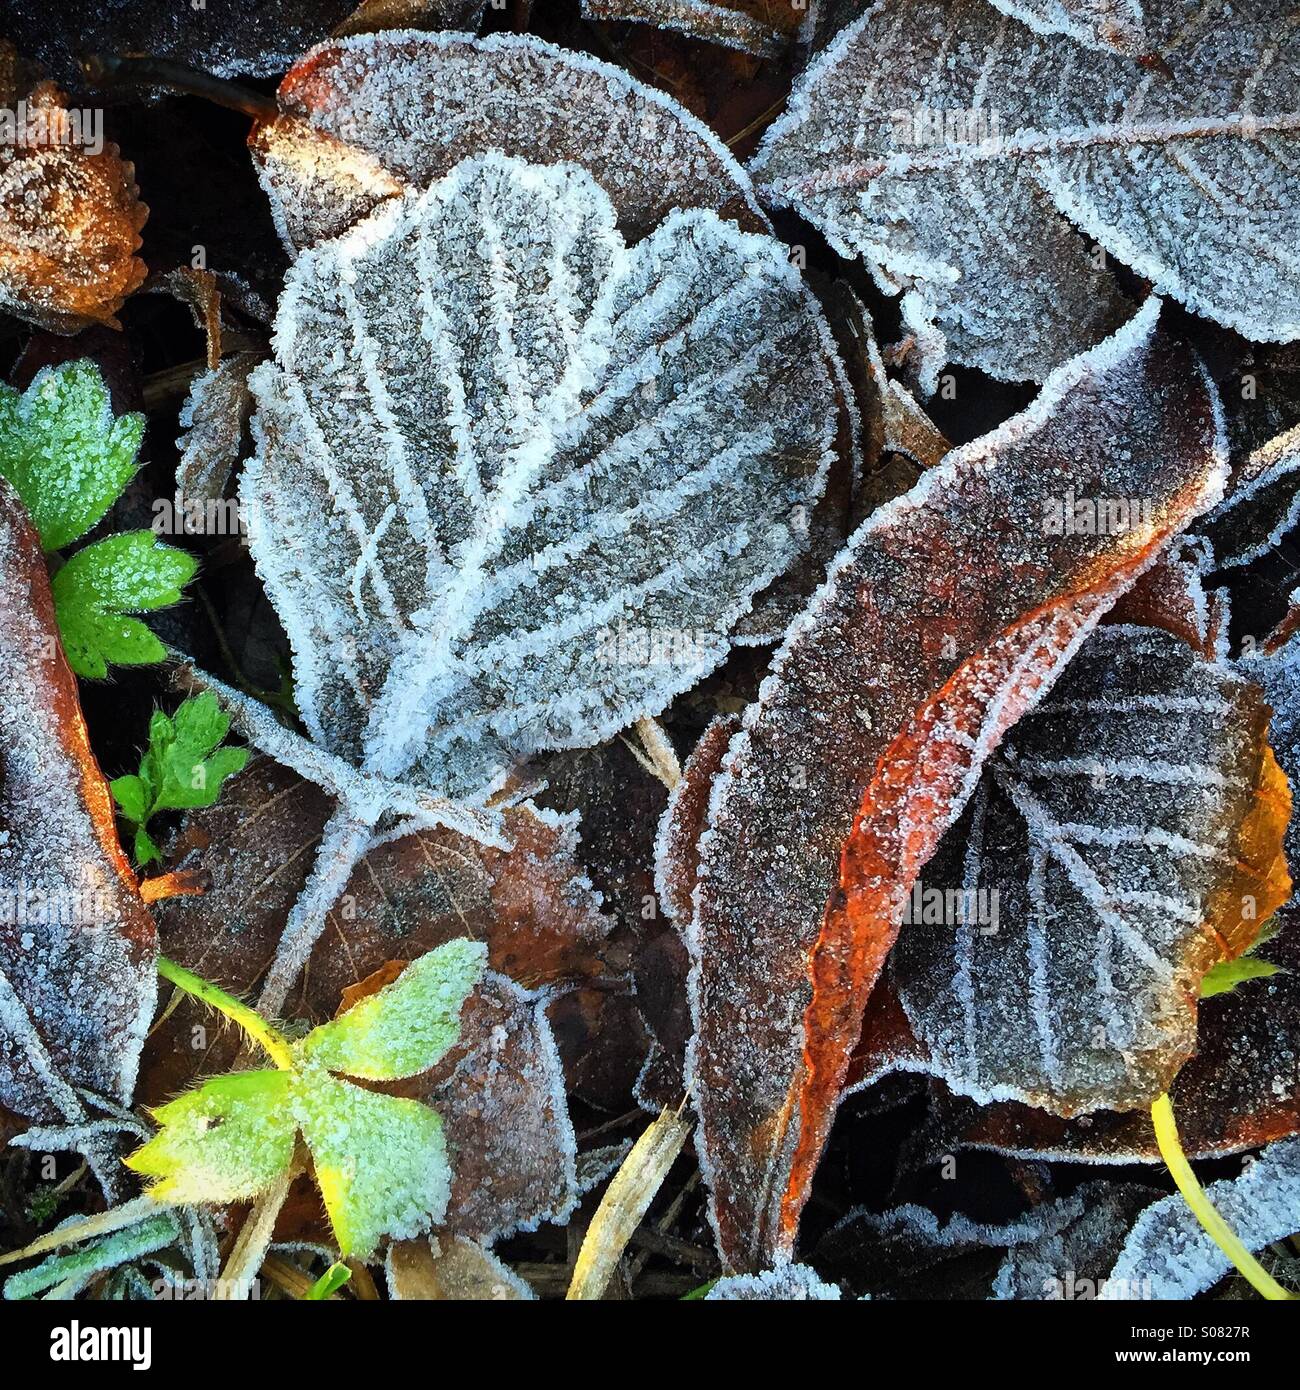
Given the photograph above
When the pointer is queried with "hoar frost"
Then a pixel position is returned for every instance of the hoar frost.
(491, 434)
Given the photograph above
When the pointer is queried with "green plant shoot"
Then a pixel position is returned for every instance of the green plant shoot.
(183, 767)
(380, 1162)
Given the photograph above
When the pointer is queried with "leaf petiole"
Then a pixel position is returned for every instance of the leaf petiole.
(257, 1028)
(1171, 1150)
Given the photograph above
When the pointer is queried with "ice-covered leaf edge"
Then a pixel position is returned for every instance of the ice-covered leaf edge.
(1141, 328)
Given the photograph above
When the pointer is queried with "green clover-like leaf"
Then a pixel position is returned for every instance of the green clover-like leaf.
(63, 451)
(408, 1026)
(225, 1142)
(380, 1161)
(100, 585)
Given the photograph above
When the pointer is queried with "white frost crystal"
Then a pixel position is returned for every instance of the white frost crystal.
(1113, 24)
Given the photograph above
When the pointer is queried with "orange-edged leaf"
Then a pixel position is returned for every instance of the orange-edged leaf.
(77, 982)
(951, 612)
(70, 220)
(1125, 838)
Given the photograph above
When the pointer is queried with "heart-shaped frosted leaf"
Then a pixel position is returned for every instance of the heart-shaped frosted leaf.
(226, 1142)
(381, 1162)
(1125, 837)
(369, 116)
(948, 146)
(516, 481)
(408, 1026)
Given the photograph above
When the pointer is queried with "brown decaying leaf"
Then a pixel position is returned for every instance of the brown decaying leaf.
(500, 1090)
(663, 965)
(368, 116)
(213, 417)
(751, 26)
(450, 1270)
(1240, 1090)
(950, 614)
(77, 983)
(1172, 596)
(1125, 837)
(70, 219)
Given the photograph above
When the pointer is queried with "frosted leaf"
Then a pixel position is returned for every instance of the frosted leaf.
(1168, 1254)
(1190, 182)
(398, 110)
(1102, 24)
(406, 1027)
(380, 1163)
(70, 214)
(450, 1270)
(1263, 505)
(1172, 596)
(677, 845)
(1073, 1261)
(513, 1150)
(664, 964)
(1240, 1089)
(77, 982)
(225, 1142)
(477, 543)
(949, 614)
(1056, 948)
(730, 25)
(783, 1284)
(65, 1275)
(909, 1251)
(499, 504)
(213, 419)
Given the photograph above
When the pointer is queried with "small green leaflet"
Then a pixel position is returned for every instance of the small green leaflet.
(1228, 974)
(69, 459)
(183, 767)
(381, 1162)
(96, 590)
(63, 451)
(330, 1282)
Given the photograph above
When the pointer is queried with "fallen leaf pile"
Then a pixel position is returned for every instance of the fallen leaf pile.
(720, 702)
